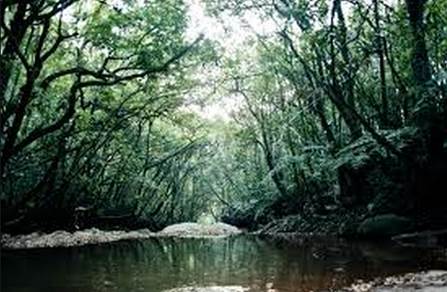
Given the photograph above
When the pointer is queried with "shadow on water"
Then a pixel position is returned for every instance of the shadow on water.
(165, 263)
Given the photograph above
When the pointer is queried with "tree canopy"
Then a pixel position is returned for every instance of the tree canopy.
(339, 110)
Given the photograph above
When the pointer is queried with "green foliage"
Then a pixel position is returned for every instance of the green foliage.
(102, 126)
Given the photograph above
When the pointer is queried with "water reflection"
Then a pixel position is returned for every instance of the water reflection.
(159, 264)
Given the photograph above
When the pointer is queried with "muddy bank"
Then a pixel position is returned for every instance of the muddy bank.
(96, 236)
(428, 281)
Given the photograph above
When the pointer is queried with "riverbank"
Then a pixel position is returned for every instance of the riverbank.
(402, 230)
(91, 236)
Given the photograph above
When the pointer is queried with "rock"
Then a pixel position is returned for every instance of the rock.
(209, 289)
(189, 229)
(428, 281)
(433, 239)
(386, 225)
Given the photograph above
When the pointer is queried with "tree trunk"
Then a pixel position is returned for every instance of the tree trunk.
(381, 56)
(420, 62)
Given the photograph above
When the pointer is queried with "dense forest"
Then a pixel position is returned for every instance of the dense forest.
(338, 115)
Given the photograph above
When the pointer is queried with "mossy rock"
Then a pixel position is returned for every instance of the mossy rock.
(386, 226)
(427, 239)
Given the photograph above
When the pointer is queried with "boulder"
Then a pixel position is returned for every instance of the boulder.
(189, 229)
(385, 226)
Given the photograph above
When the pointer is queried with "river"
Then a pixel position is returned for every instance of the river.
(159, 264)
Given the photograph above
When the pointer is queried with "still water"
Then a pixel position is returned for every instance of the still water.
(162, 263)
